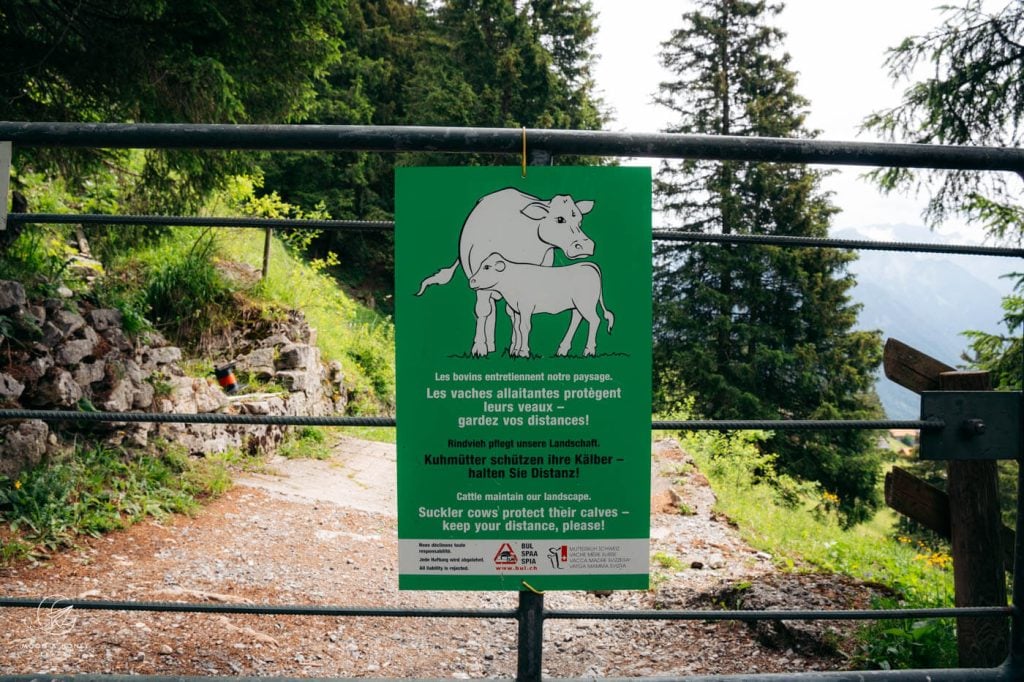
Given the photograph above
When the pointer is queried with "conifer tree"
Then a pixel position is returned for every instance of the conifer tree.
(757, 332)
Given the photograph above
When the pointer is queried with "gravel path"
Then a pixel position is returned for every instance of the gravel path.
(324, 532)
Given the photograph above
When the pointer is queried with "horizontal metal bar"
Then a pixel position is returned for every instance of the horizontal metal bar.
(508, 141)
(554, 614)
(791, 424)
(191, 418)
(196, 221)
(301, 420)
(822, 242)
(252, 609)
(862, 614)
(937, 675)
(387, 225)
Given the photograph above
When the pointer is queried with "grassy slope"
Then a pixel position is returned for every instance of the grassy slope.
(808, 536)
(360, 338)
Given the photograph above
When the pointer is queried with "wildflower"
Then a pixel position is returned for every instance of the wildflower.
(17, 484)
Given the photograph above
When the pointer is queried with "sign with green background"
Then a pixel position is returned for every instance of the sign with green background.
(524, 383)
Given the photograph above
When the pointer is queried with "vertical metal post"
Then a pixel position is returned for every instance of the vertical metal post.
(531, 603)
(1015, 661)
(531, 636)
(6, 150)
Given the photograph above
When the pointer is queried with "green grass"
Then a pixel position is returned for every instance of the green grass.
(97, 489)
(306, 442)
(806, 535)
(361, 339)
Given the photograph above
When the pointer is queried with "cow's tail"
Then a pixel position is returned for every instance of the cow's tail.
(609, 316)
(442, 276)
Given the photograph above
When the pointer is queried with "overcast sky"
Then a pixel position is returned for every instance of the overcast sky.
(837, 48)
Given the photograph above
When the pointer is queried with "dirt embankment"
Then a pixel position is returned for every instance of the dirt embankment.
(317, 532)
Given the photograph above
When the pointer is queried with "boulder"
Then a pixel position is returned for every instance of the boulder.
(22, 446)
(154, 357)
(89, 373)
(259, 363)
(296, 381)
(67, 321)
(74, 351)
(57, 389)
(116, 337)
(103, 319)
(298, 356)
(10, 388)
(12, 296)
(119, 399)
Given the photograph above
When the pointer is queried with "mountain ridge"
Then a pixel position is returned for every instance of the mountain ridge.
(925, 300)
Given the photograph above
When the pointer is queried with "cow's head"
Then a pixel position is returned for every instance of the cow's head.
(558, 224)
(488, 274)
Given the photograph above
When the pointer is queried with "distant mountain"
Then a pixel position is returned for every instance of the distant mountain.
(925, 300)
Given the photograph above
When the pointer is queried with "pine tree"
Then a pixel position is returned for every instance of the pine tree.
(757, 331)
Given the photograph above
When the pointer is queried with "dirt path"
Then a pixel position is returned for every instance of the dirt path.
(324, 533)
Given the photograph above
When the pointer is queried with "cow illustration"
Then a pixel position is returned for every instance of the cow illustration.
(523, 228)
(529, 289)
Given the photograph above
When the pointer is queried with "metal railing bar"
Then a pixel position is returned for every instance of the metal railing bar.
(554, 614)
(936, 675)
(302, 420)
(667, 235)
(833, 243)
(855, 614)
(196, 221)
(254, 609)
(508, 141)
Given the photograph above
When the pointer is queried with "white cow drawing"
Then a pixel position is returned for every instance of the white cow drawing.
(529, 289)
(524, 228)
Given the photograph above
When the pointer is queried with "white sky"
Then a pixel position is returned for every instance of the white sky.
(837, 48)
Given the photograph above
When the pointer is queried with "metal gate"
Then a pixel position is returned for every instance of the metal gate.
(531, 614)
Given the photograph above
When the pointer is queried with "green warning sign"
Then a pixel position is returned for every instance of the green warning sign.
(523, 315)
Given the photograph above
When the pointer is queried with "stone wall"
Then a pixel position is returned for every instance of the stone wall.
(62, 354)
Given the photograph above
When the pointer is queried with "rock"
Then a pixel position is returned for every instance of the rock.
(12, 296)
(102, 319)
(208, 398)
(259, 363)
(22, 446)
(335, 374)
(89, 373)
(298, 356)
(52, 335)
(73, 352)
(56, 389)
(120, 397)
(142, 396)
(10, 388)
(37, 367)
(274, 340)
(67, 321)
(296, 381)
(154, 357)
(116, 337)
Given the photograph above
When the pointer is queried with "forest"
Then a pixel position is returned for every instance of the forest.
(762, 333)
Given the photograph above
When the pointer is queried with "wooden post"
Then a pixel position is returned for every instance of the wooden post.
(974, 519)
(922, 502)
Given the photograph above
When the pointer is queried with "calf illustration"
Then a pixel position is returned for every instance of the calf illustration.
(529, 289)
(525, 229)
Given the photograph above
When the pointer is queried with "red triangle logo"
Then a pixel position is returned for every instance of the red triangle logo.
(506, 556)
